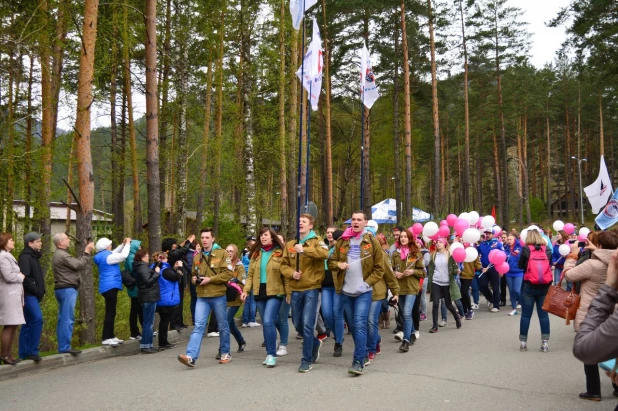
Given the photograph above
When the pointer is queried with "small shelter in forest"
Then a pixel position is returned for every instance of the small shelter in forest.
(562, 206)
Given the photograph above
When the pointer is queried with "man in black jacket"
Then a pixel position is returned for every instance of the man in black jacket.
(34, 290)
(178, 253)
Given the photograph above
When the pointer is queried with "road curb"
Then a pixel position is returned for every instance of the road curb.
(52, 362)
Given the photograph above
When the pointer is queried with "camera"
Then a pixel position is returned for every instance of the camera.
(199, 279)
(392, 302)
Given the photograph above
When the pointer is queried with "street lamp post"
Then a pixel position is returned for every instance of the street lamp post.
(581, 196)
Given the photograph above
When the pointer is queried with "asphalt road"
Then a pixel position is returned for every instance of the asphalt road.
(478, 367)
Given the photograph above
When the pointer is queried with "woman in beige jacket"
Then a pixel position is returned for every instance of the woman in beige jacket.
(11, 297)
(591, 274)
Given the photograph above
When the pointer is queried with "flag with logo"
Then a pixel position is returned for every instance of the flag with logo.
(369, 89)
(609, 215)
(298, 9)
(310, 72)
(600, 191)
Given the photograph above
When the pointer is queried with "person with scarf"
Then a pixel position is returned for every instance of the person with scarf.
(268, 286)
(233, 305)
(211, 272)
(408, 268)
(357, 264)
(305, 283)
(442, 271)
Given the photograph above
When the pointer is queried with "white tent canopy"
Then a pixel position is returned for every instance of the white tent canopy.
(385, 212)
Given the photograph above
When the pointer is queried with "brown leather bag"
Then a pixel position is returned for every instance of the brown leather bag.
(562, 303)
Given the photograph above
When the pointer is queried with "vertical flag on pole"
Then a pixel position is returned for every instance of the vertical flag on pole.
(298, 10)
(369, 89)
(600, 191)
(313, 65)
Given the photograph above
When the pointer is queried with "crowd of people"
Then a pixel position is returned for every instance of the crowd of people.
(348, 280)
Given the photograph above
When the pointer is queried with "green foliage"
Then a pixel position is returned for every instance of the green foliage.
(538, 210)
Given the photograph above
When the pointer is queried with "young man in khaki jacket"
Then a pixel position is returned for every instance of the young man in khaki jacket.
(305, 285)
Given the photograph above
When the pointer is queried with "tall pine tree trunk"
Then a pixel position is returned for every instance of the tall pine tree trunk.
(164, 158)
(205, 137)
(549, 157)
(84, 168)
(283, 183)
(117, 169)
(601, 136)
(503, 205)
(152, 130)
(219, 122)
(396, 138)
(28, 156)
(408, 117)
(437, 199)
(466, 162)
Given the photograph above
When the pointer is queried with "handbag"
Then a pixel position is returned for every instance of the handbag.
(562, 303)
(127, 279)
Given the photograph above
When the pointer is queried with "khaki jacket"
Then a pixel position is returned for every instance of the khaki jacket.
(409, 285)
(373, 268)
(389, 281)
(239, 273)
(470, 268)
(219, 272)
(315, 251)
(276, 283)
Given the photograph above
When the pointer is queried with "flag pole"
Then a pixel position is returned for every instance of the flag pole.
(300, 139)
(362, 179)
(308, 152)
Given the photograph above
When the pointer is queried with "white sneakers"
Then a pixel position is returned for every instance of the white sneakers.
(111, 342)
(495, 310)
(282, 351)
(244, 325)
(475, 306)
(519, 306)
(118, 341)
(399, 336)
(417, 334)
(212, 334)
(514, 312)
(442, 323)
(254, 324)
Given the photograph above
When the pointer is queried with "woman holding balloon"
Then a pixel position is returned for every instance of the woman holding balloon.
(557, 260)
(515, 275)
(442, 270)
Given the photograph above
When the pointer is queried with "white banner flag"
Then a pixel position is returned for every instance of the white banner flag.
(313, 65)
(298, 11)
(369, 89)
(600, 191)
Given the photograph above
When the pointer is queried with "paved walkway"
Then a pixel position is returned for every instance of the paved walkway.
(478, 367)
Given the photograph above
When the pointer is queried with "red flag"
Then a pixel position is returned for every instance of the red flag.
(493, 212)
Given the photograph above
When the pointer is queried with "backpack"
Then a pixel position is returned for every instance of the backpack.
(538, 270)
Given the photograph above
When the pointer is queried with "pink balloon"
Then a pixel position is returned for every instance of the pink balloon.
(569, 228)
(491, 255)
(459, 255)
(443, 222)
(497, 258)
(444, 231)
(503, 268)
(582, 237)
(461, 225)
(435, 236)
(417, 228)
(450, 219)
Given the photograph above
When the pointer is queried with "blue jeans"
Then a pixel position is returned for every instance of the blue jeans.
(66, 298)
(269, 311)
(30, 334)
(529, 296)
(514, 284)
(149, 310)
(373, 334)
(356, 310)
(248, 313)
(557, 275)
(443, 308)
(408, 325)
(230, 313)
(304, 308)
(282, 323)
(424, 297)
(203, 307)
(475, 289)
(332, 312)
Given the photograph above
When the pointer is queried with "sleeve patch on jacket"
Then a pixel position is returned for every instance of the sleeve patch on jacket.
(367, 247)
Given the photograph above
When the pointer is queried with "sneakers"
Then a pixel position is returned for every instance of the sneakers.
(417, 334)
(469, 315)
(282, 351)
(305, 367)
(149, 350)
(212, 334)
(475, 306)
(458, 322)
(322, 337)
(399, 336)
(111, 342)
(378, 349)
(433, 330)
(299, 337)
(271, 361)
(495, 310)
(519, 306)
(186, 360)
(356, 368)
(514, 312)
(338, 350)
(442, 323)
(155, 333)
(371, 356)
(590, 397)
(225, 358)
(137, 337)
(405, 346)
(254, 324)
(118, 341)
(367, 361)
(244, 325)
(241, 347)
(523, 346)
(490, 306)
(167, 346)
(544, 346)
(423, 316)
(315, 354)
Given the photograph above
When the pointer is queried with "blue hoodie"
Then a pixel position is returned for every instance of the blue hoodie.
(512, 257)
(128, 265)
(485, 247)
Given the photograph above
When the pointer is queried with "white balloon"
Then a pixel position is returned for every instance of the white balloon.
(471, 255)
(474, 217)
(585, 231)
(488, 222)
(496, 229)
(430, 229)
(426, 239)
(558, 225)
(471, 235)
(454, 246)
(465, 216)
(564, 250)
(523, 235)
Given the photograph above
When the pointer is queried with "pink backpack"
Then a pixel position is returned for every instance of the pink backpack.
(538, 270)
